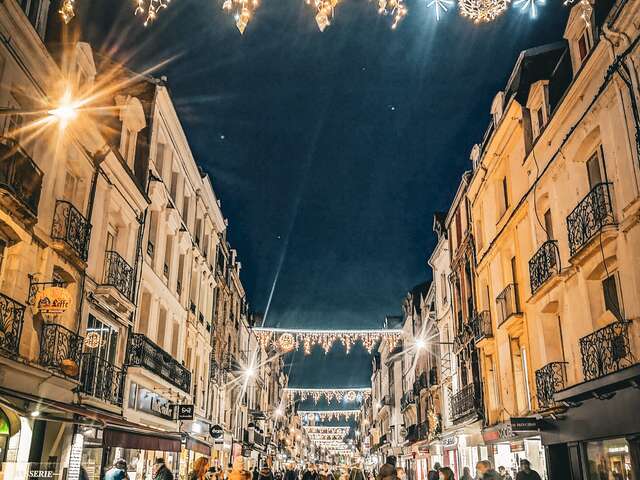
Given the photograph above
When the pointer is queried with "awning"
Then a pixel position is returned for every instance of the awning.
(113, 437)
(198, 446)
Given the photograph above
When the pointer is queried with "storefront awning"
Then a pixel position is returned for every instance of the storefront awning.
(112, 437)
(197, 446)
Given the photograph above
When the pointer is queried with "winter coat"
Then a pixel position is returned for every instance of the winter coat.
(290, 475)
(491, 475)
(309, 475)
(163, 473)
(265, 474)
(239, 475)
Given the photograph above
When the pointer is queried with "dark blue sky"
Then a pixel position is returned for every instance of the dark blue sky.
(330, 151)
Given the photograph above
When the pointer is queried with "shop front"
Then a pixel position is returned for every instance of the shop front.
(508, 446)
(598, 436)
(192, 449)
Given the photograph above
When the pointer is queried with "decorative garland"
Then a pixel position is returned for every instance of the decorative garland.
(287, 340)
(347, 394)
(326, 429)
(320, 437)
(322, 415)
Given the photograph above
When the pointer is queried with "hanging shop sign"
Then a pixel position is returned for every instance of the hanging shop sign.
(501, 431)
(153, 404)
(52, 301)
(216, 431)
(517, 446)
(75, 457)
(524, 424)
(184, 412)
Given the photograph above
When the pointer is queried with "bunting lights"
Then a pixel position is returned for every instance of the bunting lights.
(340, 394)
(323, 415)
(326, 429)
(287, 340)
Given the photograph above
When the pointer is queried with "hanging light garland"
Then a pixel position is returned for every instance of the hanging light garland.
(150, 8)
(324, 11)
(393, 8)
(325, 436)
(322, 415)
(242, 11)
(67, 11)
(326, 429)
(287, 340)
(347, 394)
(481, 11)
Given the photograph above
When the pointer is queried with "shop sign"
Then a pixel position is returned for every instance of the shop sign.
(500, 432)
(75, 457)
(517, 446)
(185, 412)
(41, 470)
(216, 431)
(450, 442)
(524, 424)
(154, 404)
(52, 301)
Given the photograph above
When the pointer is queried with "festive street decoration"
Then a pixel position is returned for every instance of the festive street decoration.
(395, 8)
(326, 429)
(67, 11)
(481, 11)
(150, 8)
(289, 339)
(322, 415)
(329, 394)
(324, 11)
(529, 6)
(242, 11)
(325, 436)
(440, 6)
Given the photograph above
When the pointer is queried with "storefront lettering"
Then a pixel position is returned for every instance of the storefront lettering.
(151, 402)
(40, 474)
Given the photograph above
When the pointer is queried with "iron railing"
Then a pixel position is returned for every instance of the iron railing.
(594, 212)
(101, 379)
(463, 403)
(412, 433)
(70, 226)
(143, 352)
(19, 175)
(60, 349)
(544, 264)
(508, 303)
(388, 401)
(407, 399)
(550, 379)
(481, 325)
(606, 350)
(118, 273)
(11, 321)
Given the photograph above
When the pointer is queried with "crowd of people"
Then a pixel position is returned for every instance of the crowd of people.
(201, 470)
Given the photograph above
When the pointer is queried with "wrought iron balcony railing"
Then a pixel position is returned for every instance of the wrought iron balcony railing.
(594, 212)
(464, 403)
(387, 401)
(407, 399)
(606, 350)
(508, 303)
(412, 433)
(101, 379)
(143, 352)
(60, 349)
(11, 321)
(20, 177)
(482, 327)
(550, 379)
(544, 264)
(70, 226)
(119, 274)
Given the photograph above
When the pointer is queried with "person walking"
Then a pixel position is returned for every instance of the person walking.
(265, 472)
(485, 471)
(237, 470)
(445, 473)
(199, 471)
(504, 473)
(387, 472)
(160, 470)
(310, 473)
(290, 473)
(118, 471)
(434, 473)
(526, 473)
(466, 474)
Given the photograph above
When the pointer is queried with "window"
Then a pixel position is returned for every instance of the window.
(128, 145)
(443, 287)
(594, 170)
(611, 297)
(540, 117)
(70, 187)
(3, 248)
(548, 225)
(175, 336)
(160, 158)
(101, 340)
(584, 45)
(162, 327)
(610, 459)
(505, 195)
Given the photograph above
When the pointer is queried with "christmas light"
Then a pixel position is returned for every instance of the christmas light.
(529, 6)
(67, 11)
(289, 339)
(324, 12)
(482, 10)
(395, 8)
(440, 6)
(242, 11)
(321, 415)
(339, 394)
(326, 429)
(151, 8)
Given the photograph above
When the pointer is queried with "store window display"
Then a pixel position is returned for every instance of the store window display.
(609, 460)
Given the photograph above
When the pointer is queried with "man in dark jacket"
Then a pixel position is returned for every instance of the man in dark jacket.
(160, 470)
(290, 473)
(485, 471)
(433, 473)
(265, 473)
(310, 473)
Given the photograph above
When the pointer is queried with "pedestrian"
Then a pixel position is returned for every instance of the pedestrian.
(199, 471)
(504, 473)
(160, 470)
(392, 460)
(434, 474)
(485, 471)
(445, 473)
(401, 473)
(310, 473)
(387, 472)
(325, 474)
(466, 474)
(265, 472)
(290, 473)
(118, 471)
(356, 473)
(526, 473)
(238, 471)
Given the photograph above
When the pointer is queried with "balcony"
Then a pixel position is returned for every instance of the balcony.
(508, 303)
(420, 383)
(101, 379)
(388, 401)
(606, 350)
(412, 434)
(591, 215)
(11, 321)
(71, 229)
(423, 430)
(550, 379)
(118, 274)
(20, 181)
(544, 264)
(407, 400)
(463, 403)
(481, 325)
(60, 350)
(142, 352)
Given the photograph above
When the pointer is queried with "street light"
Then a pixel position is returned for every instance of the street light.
(64, 112)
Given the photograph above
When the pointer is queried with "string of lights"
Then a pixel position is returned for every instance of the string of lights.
(322, 415)
(347, 394)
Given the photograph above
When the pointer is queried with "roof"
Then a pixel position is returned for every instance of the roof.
(417, 292)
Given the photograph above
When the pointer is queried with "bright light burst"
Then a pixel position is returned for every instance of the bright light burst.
(481, 11)
(440, 6)
(529, 6)
(151, 8)
(67, 11)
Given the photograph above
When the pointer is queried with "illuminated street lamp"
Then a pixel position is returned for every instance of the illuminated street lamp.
(64, 112)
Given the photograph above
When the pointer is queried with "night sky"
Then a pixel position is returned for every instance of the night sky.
(330, 151)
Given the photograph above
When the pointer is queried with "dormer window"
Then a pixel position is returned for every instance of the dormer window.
(579, 34)
(584, 45)
(537, 104)
(133, 120)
